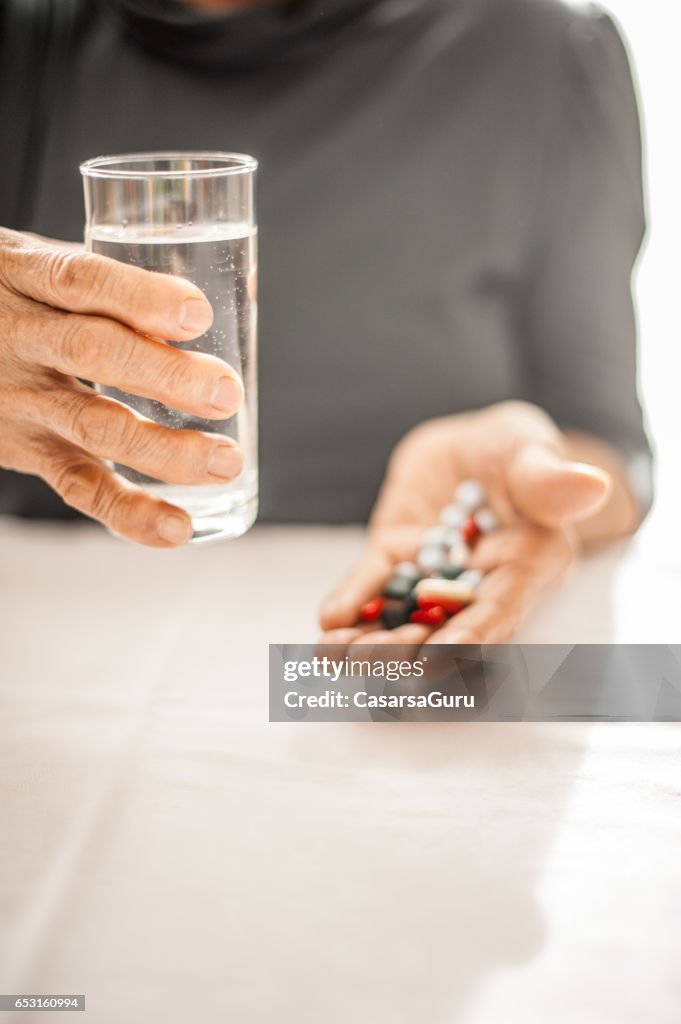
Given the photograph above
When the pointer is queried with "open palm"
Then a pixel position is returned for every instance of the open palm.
(518, 454)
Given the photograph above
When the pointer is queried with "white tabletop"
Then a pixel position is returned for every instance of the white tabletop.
(171, 854)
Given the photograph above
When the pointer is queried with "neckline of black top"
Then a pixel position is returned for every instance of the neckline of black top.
(172, 29)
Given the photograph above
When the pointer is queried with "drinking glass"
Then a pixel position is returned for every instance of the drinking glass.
(190, 214)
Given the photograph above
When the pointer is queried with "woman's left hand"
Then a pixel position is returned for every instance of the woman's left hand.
(518, 454)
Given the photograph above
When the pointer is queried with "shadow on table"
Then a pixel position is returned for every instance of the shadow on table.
(434, 835)
(433, 863)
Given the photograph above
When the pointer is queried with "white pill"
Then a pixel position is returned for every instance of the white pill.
(458, 553)
(472, 576)
(408, 569)
(452, 516)
(486, 520)
(437, 535)
(469, 495)
(430, 557)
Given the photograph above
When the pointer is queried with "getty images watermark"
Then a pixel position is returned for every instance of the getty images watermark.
(390, 671)
(490, 683)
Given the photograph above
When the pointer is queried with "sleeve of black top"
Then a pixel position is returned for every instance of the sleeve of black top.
(577, 321)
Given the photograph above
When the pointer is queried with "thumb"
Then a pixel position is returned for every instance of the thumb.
(550, 490)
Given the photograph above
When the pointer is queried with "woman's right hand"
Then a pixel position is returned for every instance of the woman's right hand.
(66, 315)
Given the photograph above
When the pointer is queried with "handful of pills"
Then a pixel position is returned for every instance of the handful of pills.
(439, 583)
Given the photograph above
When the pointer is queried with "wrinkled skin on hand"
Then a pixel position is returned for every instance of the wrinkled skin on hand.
(67, 314)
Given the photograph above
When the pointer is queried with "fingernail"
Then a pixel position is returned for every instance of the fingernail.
(196, 315)
(227, 395)
(174, 530)
(225, 461)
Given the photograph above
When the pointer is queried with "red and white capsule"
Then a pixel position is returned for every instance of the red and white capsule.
(448, 592)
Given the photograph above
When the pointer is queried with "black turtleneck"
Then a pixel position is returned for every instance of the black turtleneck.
(449, 205)
(253, 36)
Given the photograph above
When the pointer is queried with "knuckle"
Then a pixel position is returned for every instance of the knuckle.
(414, 438)
(15, 254)
(87, 486)
(78, 482)
(102, 426)
(86, 347)
(406, 451)
(427, 438)
(107, 501)
(73, 274)
(168, 449)
(178, 455)
(63, 273)
(151, 445)
(74, 341)
(178, 375)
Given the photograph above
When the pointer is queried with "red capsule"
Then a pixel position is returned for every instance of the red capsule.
(451, 606)
(372, 610)
(433, 616)
(470, 531)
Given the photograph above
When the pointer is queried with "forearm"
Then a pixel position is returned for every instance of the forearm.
(621, 514)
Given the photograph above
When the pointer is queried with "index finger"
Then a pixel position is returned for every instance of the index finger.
(366, 578)
(161, 305)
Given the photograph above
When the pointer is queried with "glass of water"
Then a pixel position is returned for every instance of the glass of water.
(190, 214)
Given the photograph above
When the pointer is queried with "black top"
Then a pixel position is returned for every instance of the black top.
(450, 205)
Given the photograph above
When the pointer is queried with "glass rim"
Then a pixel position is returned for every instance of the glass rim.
(232, 163)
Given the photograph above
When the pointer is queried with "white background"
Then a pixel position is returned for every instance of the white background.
(651, 29)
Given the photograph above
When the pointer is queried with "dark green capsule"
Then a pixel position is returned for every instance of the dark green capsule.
(396, 612)
(399, 586)
(449, 571)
